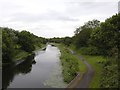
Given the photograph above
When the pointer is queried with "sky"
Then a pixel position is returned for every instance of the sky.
(53, 18)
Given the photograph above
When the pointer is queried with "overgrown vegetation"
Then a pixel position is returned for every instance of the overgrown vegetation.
(100, 39)
(95, 39)
(16, 45)
(71, 64)
(110, 74)
(97, 64)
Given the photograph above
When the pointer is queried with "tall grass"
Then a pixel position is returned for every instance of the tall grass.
(71, 64)
(97, 64)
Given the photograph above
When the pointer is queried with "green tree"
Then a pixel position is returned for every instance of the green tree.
(105, 37)
(26, 41)
(82, 34)
(8, 41)
(67, 41)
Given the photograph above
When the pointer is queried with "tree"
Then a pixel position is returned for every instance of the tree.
(82, 34)
(105, 37)
(13, 41)
(26, 41)
(8, 41)
(67, 41)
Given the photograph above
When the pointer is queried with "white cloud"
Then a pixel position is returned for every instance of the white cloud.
(52, 18)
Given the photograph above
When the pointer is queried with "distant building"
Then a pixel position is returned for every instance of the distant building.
(119, 7)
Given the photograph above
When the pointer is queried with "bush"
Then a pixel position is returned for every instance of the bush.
(109, 75)
(26, 41)
(89, 51)
(70, 65)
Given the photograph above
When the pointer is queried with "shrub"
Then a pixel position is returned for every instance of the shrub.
(70, 65)
(89, 51)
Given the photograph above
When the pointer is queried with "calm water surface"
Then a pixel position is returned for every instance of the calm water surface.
(42, 70)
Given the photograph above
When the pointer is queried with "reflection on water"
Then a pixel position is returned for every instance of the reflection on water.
(42, 70)
(10, 71)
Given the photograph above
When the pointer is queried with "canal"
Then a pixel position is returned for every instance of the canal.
(40, 70)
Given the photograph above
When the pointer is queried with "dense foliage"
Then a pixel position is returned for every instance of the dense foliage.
(82, 34)
(14, 41)
(9, 40)
(66, 40)
(99, 38)
(95, 38)
(70, 64)
(26, 41)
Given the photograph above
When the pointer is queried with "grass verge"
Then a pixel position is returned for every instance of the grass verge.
(39, 47)
(22, 54)
(96, 62)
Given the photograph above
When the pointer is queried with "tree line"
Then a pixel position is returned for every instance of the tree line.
(93, 38)
(13, 41)
(99, 38)
(102, 38)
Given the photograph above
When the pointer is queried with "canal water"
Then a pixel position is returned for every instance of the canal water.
(40, 70)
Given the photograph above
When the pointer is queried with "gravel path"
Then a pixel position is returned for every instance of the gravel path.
(88, 76)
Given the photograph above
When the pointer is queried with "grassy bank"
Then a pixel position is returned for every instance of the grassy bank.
(106, 73)
(71, 64)
(38, 47)
(96, 62)
(20, 54)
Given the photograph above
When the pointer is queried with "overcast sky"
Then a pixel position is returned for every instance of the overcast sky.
(53, 18)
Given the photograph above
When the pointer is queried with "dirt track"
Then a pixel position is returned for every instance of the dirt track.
(88, 76)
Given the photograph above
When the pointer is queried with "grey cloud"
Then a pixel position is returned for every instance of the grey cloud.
(88, 8)
(74, 12)
(50, 16)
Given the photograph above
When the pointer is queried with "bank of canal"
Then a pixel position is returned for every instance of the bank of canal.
(42, 70)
